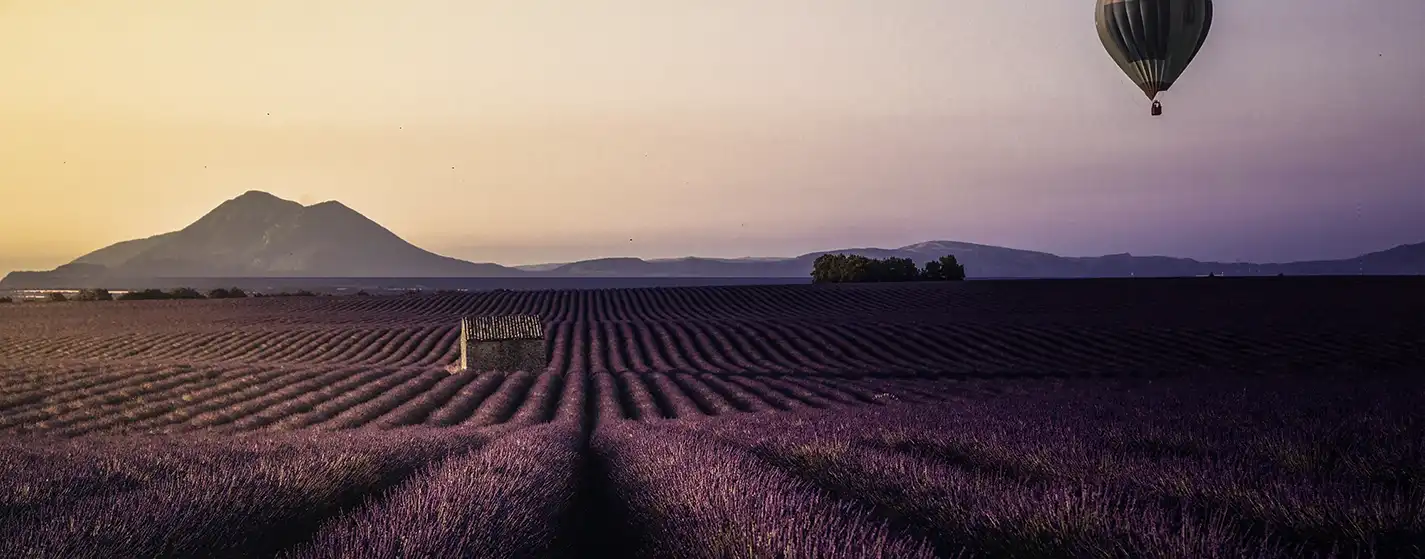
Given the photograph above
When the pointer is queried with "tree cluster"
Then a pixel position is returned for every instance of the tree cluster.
(145, 295)
(94, 295)
(851, 268)
(233, 293)
(160, 295)
(298, 293)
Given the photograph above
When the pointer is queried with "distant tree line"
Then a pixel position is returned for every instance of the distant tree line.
(161, 295)
(92, 295)
(851, 268)
(181, 293)
(298, 293)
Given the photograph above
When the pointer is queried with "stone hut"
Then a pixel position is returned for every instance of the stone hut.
(502, 343)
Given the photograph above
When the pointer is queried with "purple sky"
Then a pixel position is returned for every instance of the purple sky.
(533, 130)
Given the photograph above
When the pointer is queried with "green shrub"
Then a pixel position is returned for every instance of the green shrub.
(6, 300)
(184, 293)
(894, 269)
(298, 293)
(94, 295)
(841, 268)
(947, 268)
(933, 271)
(144, 295)
(951, 269)
(851, 268)
(230, 293)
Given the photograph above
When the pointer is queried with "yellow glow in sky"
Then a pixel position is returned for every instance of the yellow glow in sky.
(534, 130)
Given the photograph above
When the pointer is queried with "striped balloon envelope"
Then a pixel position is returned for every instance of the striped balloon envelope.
(1153, 41)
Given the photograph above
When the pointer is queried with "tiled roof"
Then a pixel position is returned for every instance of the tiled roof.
(507, 327)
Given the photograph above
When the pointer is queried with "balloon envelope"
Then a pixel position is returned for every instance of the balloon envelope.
(1153, 41)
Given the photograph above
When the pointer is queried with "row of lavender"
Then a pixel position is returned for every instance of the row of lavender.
(413, 492)
(415, 346)
(685, 303)
(1342, 304)
(493, 492)
(1274, 467)
(446, 493)
(178, 400)
(762, 347)
(170, 399)
(1268, 468)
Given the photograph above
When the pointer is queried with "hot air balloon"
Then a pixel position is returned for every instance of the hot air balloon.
(1153, 41)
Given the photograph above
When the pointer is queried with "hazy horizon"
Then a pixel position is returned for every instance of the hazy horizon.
(529, 132)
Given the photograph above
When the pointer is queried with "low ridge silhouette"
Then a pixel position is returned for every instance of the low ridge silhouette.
(260, 235)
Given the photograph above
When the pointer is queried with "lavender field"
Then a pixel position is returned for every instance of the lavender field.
(1207, 417)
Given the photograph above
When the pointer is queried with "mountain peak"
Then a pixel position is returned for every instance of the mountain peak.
(257, 194)
(260, 197)
(259, 234)
(257, 201)
(330, 205)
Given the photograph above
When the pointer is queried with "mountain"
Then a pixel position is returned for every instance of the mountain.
(680, 267)
(1408, 259)
(985, 261)
(260, 235)
(540, 267)
(591, 266)
(118, 253)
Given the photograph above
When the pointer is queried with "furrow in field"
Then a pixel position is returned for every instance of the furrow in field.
(467, 400)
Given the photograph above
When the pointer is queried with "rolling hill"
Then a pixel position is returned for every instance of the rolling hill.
(258, 235)
(987, 261)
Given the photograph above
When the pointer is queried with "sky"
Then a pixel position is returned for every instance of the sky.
(526, 131)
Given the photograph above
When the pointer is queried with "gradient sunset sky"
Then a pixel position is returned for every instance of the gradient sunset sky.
(526, 131)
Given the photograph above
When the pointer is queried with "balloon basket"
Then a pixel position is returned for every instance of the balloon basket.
(1157, 109)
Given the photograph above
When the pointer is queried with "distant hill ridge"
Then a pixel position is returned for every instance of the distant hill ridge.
(260, 235)
(986, 261)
